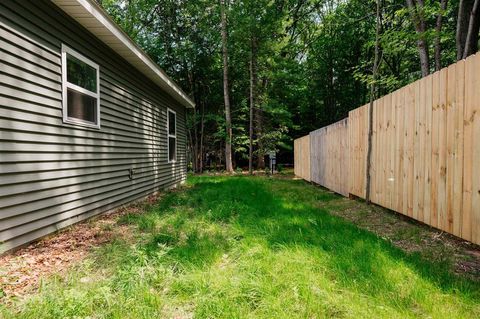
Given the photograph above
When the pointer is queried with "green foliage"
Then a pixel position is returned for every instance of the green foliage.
(280, 168)
(251, 247)
(314, 60)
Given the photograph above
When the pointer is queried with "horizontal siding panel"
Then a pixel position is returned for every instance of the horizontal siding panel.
(48, 157)
(54, 174)
(61, 209)
(61, 186)
(49, 188)
(122, 112)
(71, 130)
(73, 201)
(38, 176)
(16, 72)
(75, 148)
(29, 66)
(26, 96)
(16, 168)
(128, 102)
(27, 237)
(75, 196)
(47, 170)
(23, 138)
(21, 85)
(12, 36)
(12, 108)
(87, 139)
(145, 139)
(53, 65)
(23, 25)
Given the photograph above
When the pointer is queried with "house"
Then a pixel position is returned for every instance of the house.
(88, 121)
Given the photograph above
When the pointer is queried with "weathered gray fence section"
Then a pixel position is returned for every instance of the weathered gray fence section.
(302, 157)
(328, 159)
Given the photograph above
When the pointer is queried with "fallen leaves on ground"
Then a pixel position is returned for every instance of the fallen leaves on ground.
(21, 272)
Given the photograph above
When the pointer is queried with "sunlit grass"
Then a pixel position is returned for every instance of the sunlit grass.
(241, 247)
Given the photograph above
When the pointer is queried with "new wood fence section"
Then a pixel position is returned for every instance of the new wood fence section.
(301, 149)
(358, 147)
(425, 151)
(328, 160)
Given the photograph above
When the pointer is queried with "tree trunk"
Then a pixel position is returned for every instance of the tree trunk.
(471, 41)
(373, 90)
(202, 126)
(259, 116)
(228, 118)
(192, 146)
(416, 12)
(464, 9)
(438, 37)
(252, 103)
(195, 145)
(259, 133)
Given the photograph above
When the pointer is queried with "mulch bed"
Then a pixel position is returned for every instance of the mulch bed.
(22, 271)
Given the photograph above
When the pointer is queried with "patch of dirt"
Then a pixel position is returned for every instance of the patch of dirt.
(413, 236)
(22, 271)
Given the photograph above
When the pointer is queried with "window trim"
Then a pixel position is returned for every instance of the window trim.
(67, 85)
(169, 110)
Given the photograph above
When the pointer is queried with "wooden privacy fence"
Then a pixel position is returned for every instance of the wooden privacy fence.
(425, 151)
(301, 150)
(328, 159)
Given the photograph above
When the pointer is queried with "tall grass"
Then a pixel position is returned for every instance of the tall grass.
(242, 247)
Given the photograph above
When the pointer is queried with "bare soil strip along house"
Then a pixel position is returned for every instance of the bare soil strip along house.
(88, 121)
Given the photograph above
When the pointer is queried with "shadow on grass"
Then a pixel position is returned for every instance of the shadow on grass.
(282, 214)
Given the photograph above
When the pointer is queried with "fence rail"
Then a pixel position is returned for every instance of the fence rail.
(425, 151)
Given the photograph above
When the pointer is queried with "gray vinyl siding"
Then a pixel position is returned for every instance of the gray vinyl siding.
(54, 174)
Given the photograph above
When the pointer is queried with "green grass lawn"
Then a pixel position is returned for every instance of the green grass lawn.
(251, 247)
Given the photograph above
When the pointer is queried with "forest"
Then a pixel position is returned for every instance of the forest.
(264, 72)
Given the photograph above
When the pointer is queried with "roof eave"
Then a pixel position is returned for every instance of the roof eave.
(91, 16)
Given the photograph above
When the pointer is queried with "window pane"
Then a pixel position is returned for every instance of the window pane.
(81, 106)
(172, 149)
(171, 123)
(81, 74)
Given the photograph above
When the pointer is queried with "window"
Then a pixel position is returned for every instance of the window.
(172, 135)
(80, 85)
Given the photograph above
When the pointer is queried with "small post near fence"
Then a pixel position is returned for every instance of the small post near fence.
(273, 161)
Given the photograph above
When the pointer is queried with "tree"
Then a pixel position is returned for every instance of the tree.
(438, 36)
(417, 12)
(228, 118)
(373, 90)
(253, 86)
(471, 39)
(265, 72)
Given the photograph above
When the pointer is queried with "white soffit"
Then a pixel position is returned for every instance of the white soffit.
(97, 21)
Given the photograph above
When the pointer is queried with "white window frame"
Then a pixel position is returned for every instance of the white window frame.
(67, 85)
(171, 135)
